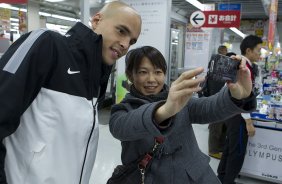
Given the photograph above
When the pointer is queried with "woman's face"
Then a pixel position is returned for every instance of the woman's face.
(148, 80)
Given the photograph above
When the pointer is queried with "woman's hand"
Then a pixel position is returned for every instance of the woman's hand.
(180, 92)
(243, 87)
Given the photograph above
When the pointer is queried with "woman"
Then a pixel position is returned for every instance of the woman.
(151, 110)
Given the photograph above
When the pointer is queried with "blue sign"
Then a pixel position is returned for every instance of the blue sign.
(226, 7)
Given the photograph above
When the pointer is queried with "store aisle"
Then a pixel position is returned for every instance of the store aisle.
(108, 156)
(109, 149)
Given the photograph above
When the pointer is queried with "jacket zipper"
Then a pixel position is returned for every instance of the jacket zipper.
(92, 130)
(91, 92)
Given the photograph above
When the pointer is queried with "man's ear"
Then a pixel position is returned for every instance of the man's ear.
(95, 20)
(248, 51)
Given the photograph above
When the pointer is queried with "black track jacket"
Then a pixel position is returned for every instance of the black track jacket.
(49, 88)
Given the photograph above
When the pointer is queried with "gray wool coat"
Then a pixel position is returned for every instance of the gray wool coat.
(180, 160)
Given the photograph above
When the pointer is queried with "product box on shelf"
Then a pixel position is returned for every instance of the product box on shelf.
(268, 112)
(279, 125)
(271, 124)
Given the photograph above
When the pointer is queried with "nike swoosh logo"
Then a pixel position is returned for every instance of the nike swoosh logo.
(72, 72)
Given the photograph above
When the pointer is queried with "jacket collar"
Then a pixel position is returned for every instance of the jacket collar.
(86, 46)
(82, 31)
(248, 61)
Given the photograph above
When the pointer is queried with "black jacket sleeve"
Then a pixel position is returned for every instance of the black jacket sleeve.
(24, 68)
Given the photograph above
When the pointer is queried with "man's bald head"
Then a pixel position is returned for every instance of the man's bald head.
(112, 8)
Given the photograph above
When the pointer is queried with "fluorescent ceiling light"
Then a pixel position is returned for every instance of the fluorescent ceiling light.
(64, 18)
(14, 24)
(23, 10)
(197, 4)
(3, 5)
(45, 14)
(238, 32)
(14, 19)
(54, 1)
(7, 6)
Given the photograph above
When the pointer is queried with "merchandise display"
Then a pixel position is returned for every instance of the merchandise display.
(264, 151)
(269, 100)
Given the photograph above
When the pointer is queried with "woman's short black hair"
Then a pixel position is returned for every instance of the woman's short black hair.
(135, 56)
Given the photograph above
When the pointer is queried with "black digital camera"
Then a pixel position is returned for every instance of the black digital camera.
(223, 68)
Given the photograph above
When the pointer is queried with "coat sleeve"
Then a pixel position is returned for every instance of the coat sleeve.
(217, 107)
(23, 70)
(128, 124)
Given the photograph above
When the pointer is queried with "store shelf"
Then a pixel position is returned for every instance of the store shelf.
(251, 179)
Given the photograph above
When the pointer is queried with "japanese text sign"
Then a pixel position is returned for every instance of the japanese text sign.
(223, 19)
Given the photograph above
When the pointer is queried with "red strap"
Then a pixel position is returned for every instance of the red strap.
(144, 162)
(159, 139)
(146, 159)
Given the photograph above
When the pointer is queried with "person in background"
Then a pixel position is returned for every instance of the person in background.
(50, 85)
(2, 34)
(151, 110)
(4, 43)
(222, 49)
(217, 131)
(240, 126)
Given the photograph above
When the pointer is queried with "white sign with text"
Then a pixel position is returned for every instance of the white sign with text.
(264, 155)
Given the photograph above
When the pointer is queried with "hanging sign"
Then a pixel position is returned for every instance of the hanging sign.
(272, 23)
(229, 6)
(223, 19)
(197, 19)
(5, 15)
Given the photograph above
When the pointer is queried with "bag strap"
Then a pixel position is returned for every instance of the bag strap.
(142, 165)
(148, 156)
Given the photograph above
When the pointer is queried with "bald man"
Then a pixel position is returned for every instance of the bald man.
(50, 86)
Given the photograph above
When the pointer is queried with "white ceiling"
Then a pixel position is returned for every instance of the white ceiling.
(251, 9)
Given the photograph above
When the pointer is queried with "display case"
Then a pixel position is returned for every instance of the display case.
(263, 159)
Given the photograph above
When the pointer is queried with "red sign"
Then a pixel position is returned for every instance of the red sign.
(272, 23)
(224, 19)
(14, 1)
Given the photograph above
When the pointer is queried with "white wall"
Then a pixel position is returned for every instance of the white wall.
(235, 48)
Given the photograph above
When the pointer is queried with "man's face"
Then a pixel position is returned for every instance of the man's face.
(119, 32)
(223, 51)
(254, 54)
